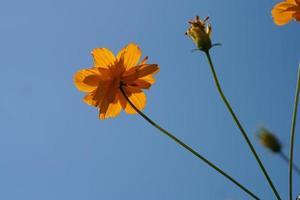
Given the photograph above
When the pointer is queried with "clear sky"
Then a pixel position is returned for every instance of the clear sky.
(52, 145)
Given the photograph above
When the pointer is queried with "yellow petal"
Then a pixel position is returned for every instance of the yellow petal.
(149, 79)
(142, 84)
(131, 55)
(280, 14)
(103, 57)
(283, 18)
(147, 69)
(291, 1)
(105, 73)
(96, 97)
(110, 106)
(118, 68)
(112, 109)
(139, 71)
(86, 80)
(284, 5)
(90, 100)
(136, 96)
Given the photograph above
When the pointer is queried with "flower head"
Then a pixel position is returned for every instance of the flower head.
(286, 11)
(269, 140)
(200, 32)
(103, 81)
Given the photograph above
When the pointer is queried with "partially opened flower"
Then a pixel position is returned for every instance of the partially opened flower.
(286, 11)
(200, 32)
(103, 81)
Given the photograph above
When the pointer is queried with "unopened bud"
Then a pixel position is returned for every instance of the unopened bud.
(269, 140)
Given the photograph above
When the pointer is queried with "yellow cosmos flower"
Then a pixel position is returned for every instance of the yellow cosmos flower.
(200, 33)
(286, 11)
(103, 81)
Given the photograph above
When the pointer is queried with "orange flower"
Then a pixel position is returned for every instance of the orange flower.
(286, 11)
(103, 81)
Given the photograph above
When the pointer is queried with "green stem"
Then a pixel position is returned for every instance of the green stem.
(293, 127)
(240, 126)
(178, 141)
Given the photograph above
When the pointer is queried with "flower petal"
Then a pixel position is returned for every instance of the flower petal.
(142, 84)
(139, 72)
(96, 97)
(90, 99)
(294, 9)
(105, 74)
(283, 19)
(292, 1)
(86, 80)
(149, 79)
(147, 69)
(280, 14)
(103, 57)
(109, 106)
(131, 55)
(112, 109)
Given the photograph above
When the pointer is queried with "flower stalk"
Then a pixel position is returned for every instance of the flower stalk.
(293, 127)
(185, 146)
(242, 130)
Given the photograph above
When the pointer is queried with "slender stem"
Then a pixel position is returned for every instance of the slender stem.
(286, 159)
(240, 126)
(293, 127)
(178, 141)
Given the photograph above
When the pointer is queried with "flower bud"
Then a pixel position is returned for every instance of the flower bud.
(200, 32)
(269, 140)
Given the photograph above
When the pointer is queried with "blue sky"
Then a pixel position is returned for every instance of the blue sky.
(52, 145)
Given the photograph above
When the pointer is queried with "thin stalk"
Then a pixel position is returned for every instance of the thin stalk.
(235, 118)
(293, 127)
(182, 144)
(286, 159)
